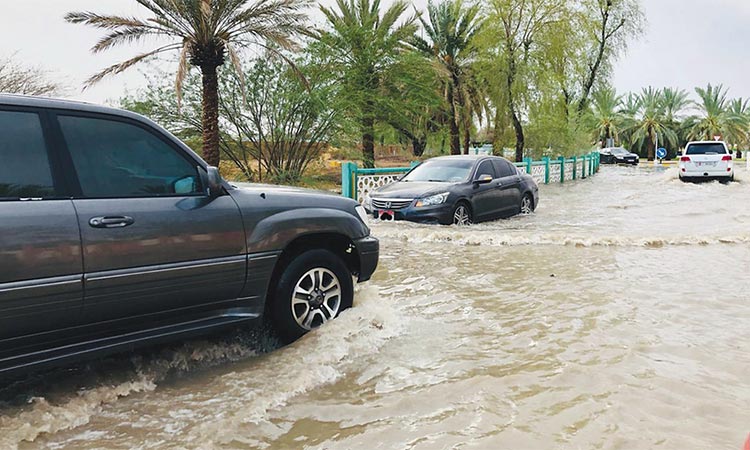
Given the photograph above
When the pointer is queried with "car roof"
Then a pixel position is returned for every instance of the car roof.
(706, 142)
(57, 103)
(457, 157)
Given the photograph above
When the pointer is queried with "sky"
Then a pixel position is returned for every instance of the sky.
(685, 43)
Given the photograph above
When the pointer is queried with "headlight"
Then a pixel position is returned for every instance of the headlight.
(367, 203)
(433, 200)
(362, 213)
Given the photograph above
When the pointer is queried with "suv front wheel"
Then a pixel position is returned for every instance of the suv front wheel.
(313, 289)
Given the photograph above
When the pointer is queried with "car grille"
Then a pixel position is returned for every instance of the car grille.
(391, 204)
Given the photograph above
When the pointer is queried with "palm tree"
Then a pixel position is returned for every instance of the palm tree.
(675, 101)
(451, 28)
(739, 108)
(205, 33)
(649, 123)
(364, 48)
(605, 114)
(715, 118)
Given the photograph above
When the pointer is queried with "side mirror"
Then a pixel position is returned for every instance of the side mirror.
(484, 179)
(213, 182)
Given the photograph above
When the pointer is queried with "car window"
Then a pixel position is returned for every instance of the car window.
(504, 168)
(24, 163)
(118, 159)
(485, 168)
(704, 149)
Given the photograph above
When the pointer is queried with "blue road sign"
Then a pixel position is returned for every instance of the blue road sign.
(661, 153)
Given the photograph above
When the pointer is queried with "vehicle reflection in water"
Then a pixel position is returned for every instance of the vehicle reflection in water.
(614, 317)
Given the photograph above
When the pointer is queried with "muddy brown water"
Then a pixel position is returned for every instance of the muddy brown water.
(615, 317)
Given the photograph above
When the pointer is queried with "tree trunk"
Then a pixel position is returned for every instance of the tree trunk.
(368, 134)
(607, 136)
(517, 126)
(211, 136)
(467, 139)
(418, 146)
(454, 130)
(460, 113)
(651, 146)
(603, 39)
(520, 141)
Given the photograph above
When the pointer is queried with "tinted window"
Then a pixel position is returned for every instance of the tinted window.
(24, 164)
(503, 168)
(485, 168)
(703, 149)
(116, 159)
(441, 170)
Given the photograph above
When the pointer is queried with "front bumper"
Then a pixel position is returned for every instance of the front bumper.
(632, 161)
(442, 214)
(368, 249)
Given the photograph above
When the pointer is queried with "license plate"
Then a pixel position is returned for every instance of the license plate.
(387, 212)
(705, 163)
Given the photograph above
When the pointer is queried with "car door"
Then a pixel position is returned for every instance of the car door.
(487, 197)
(40, 250)
(153, 240)
(510, 186)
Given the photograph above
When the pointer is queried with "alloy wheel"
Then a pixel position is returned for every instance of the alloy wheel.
(462, 216)
(526, 206)
(316, 298)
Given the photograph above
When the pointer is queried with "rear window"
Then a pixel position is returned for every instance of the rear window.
(705, 149)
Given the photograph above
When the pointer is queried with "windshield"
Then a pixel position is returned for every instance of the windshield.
(619, 151)
(441, 170)
(705, 149)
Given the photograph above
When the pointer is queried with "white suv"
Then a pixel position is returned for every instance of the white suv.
(706, 160)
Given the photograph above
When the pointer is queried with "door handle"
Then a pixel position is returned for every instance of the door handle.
(111, 222)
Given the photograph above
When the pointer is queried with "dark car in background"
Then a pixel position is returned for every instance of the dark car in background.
(617, 155)
(456, 190)
(114, 234)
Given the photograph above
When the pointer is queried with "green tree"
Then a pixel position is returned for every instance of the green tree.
(363, 48)
(606, 116)
(608, 26)
(515, 39)
(649, 122)
(738, 139)
(205, 33)
(675, 101)
(450, 29)
(715, 118)
(275, 130)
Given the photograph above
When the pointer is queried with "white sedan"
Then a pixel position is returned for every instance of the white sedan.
(706, 160)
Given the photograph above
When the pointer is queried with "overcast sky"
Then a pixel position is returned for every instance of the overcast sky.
(687, 43)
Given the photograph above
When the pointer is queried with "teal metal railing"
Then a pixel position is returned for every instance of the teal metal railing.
(356, 182)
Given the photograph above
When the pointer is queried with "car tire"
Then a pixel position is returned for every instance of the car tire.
(462, 215)
(527, 205)
(314, 288)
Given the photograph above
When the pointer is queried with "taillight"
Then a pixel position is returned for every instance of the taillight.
(685, 159)
(726, 158)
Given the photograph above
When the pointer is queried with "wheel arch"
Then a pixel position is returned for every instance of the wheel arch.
(338, 244)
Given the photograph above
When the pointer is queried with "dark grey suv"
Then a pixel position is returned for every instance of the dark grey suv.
(114, 234)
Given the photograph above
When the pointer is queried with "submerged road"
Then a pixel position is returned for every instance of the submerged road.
(614, 317)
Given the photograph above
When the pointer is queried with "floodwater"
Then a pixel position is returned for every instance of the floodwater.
(615, 317)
